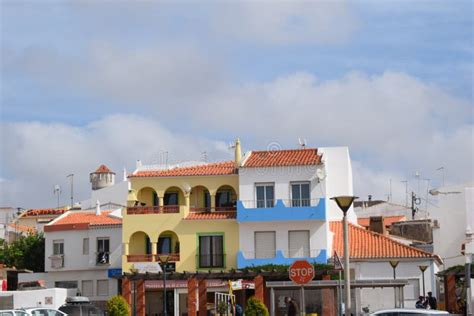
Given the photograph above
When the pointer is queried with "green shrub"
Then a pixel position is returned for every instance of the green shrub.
(255, 307)
(117, 306)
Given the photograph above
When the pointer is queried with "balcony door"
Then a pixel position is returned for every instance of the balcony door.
(164, 245)
(265, 195)
(211, 251)
(300, 195)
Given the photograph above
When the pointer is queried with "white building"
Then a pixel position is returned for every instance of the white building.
(284, 206)
(83, 251)
(450, 219)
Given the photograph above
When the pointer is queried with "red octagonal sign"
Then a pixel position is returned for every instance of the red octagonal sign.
(301, 272)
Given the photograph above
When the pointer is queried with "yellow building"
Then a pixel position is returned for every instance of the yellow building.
(187, 212)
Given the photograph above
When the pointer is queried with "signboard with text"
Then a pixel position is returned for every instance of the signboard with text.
(301, 272)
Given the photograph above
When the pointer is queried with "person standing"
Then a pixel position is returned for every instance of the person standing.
(432, 303)
(292, 307)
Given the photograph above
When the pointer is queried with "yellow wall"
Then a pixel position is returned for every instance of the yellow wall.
(186, 230)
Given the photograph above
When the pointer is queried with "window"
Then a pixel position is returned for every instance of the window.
(207, 199)
(102, 287)
(223, 199)
(85, 246)
(18, 313)
(211, 251)
(103, 250)
(156, 200)
(164, 245)
(265, 195)
(66, 284)
(87, 288)
(300, 195)
(171, 198)
(58, 247)
(298, 243)
(265, 244)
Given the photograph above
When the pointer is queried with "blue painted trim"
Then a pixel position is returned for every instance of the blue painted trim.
(280, 212)
(243, 262)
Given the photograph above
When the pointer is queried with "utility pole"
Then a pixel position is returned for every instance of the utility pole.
(72, 188)
(414, 201)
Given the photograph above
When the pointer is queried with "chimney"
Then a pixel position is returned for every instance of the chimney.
(139, 164)
(238, 153)
(97, 208)
(124, 174)
(377, 225)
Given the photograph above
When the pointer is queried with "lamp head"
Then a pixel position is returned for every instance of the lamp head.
(164, 258)
(394, 263)
(423, 268)
(344, 202)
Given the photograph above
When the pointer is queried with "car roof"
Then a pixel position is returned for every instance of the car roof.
(413, 310)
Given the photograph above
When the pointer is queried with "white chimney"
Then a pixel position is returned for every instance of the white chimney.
(97, 208)
(124, 174)
(139, 164)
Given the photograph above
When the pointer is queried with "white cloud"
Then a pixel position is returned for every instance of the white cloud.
(39, 155)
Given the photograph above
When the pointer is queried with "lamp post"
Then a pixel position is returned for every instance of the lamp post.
(344, 203)
(423, 269)
(164, 261)
(134, 292)
(394, 264)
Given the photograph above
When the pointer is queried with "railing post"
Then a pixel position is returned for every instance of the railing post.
(153, 251)
(213, 202)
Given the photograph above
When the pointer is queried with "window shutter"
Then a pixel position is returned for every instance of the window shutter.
(265, 244)
(298, 244)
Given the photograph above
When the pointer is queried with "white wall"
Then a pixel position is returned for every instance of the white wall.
(317, 232)
(384, 298)
(114, 194)
(451, 215)
(37, 298)
(338, 169)
(74, 259)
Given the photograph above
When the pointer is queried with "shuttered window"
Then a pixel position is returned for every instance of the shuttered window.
(298, 243)
(265, 244)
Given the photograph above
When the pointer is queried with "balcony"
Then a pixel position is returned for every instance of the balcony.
(173, 257)
(102, 258)
(140, 258)
(57, 261)
(166, 209)
(248, 258)
(281, 210)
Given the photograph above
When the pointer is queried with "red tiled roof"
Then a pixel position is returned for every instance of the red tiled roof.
(279, 158)
(210, 169)
(22, 228)
(83, 220)
(389, 220)
(43, 212)
(365, 244)
(103, 169)
(212, 215)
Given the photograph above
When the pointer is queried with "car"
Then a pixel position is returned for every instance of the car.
(80, 306)
(42, 311)
(13, 312)
(408, 312)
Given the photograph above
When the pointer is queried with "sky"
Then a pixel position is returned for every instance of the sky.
(91, 82)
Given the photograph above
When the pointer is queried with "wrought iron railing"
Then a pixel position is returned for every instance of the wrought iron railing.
(165, 209)
(140, 258)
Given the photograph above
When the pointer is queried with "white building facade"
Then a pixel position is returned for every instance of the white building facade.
(83, 251)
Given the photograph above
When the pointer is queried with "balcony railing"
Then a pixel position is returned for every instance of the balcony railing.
(102, 258)
(250, 258)
(290, 253)
(286, 202)
(140, 258)
(166, 209)
(173, 257)
(57, 261)
(216, 209)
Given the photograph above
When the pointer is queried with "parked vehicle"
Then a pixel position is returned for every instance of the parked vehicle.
(40, 311)
(80, 306)
(408, 312)
(13, 312)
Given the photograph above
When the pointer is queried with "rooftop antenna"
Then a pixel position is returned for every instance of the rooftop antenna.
(418, 175)
(57, 191)
(231, 145)
(302, 142)
(72, 188)
(204, 156)
(442, 172)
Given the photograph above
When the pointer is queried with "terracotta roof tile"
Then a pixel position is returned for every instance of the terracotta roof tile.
(212, 215)
(103, 169)
(388, 220)
(22, 228)
(83, 220)
(279, 158)
(365, 244)
(210, 169)
(43, 212)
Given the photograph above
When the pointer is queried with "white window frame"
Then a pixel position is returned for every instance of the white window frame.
(58, 242)
(300, 199)
(265, 184)
(309, 243)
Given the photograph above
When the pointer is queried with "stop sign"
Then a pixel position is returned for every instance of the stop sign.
(301, 272)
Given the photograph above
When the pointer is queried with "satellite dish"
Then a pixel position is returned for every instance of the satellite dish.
(187, 188)
(321, 174)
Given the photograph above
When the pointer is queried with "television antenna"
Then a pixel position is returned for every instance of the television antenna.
(302, 142)
(57, 191)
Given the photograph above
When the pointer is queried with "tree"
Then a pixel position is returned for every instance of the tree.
(27, 252)
(255, 307)
(117, 306)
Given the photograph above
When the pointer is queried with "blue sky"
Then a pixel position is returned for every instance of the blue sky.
(399, 72)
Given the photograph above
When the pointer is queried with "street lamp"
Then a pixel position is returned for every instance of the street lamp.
(164, 261)
(423, 269)
(344, 203)
(134, 291)
(394, 264)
